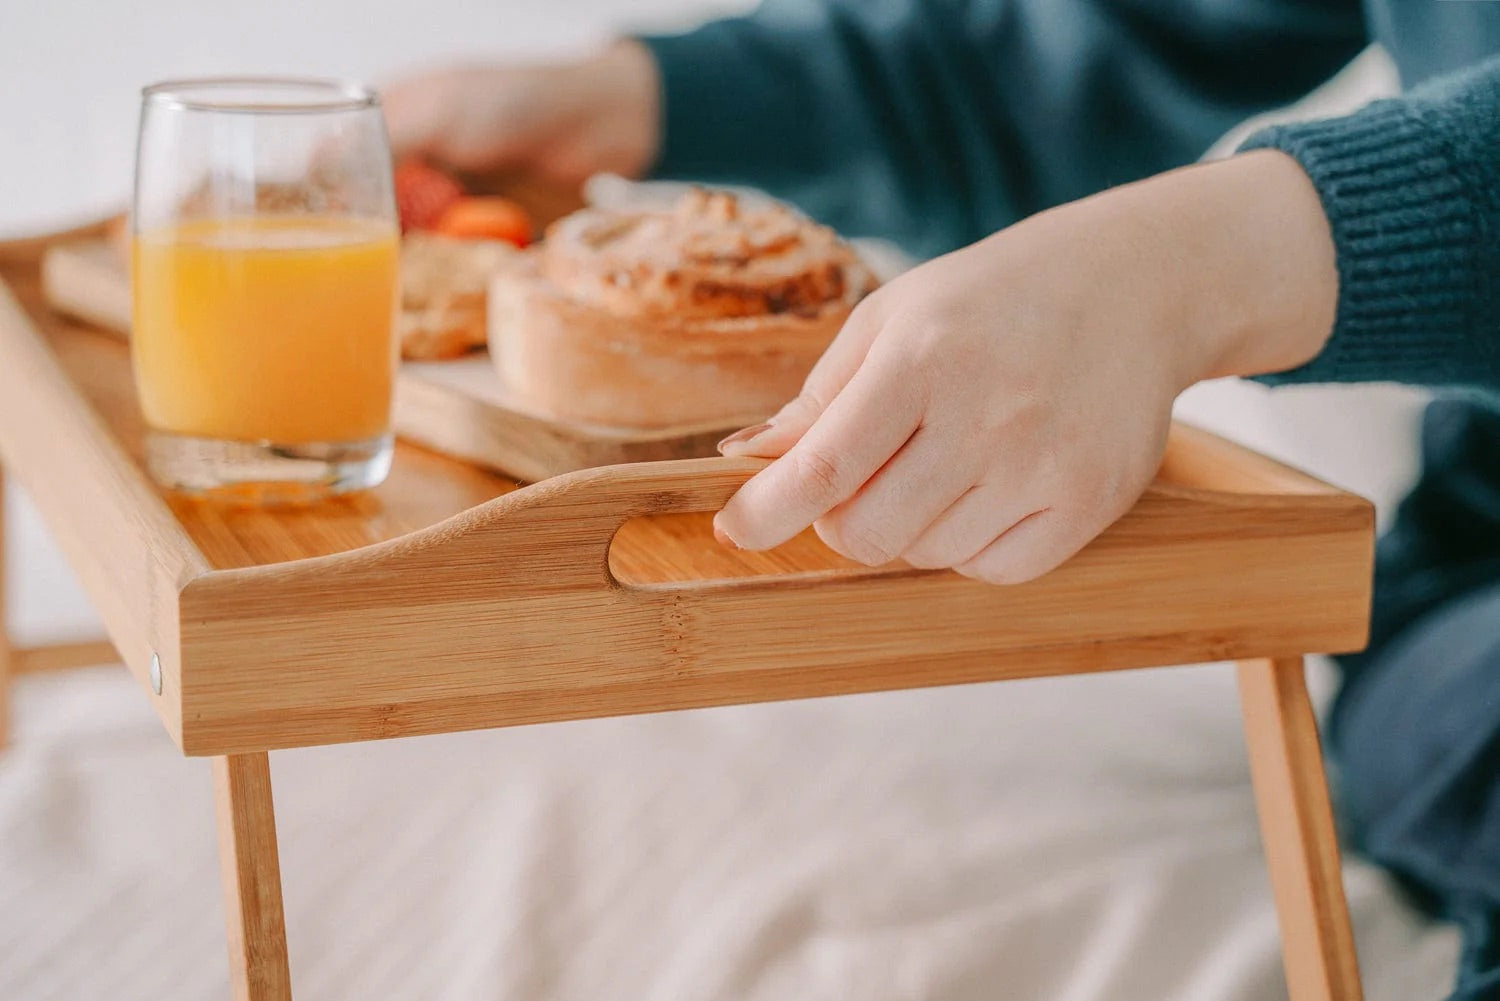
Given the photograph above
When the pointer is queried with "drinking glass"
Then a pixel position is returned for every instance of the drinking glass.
(265, 284)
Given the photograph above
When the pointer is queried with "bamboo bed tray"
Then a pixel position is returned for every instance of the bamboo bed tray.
(449, 599)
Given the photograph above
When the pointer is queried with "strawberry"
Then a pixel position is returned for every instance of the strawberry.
(423, 193)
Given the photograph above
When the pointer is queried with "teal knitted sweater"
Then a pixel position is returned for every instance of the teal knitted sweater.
(936, 122)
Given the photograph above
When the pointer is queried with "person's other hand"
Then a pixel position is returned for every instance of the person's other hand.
(562, 122)
(995, 409)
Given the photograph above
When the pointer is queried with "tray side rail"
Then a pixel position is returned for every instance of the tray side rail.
(508, 613)
(128, 549)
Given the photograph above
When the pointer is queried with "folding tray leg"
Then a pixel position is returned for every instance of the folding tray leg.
(1296, 822)
(6, 652)
(258, 967)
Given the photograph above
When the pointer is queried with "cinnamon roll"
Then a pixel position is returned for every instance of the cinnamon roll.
(711, 311)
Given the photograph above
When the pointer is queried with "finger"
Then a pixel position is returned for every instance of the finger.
(1034, 546)
(828, 377)
(889, 512)
(859, 432)
(779, 433)
(975, 520)
(414, 115)
(849, 349)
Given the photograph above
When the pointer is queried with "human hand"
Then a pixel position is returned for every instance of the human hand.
(563, 122)
(997, 408)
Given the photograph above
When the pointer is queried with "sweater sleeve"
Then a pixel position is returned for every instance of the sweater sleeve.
(1411, 187)
(936, 122)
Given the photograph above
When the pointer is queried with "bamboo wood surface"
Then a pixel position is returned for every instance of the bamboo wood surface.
(1297, 829)
(510, 614)
(458, 408)
(447, 600)
(251, 869)
(63, 656)
(131, 553)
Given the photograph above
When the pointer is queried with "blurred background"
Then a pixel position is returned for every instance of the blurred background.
(1081, 838)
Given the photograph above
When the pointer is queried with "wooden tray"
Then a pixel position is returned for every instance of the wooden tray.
(447, 599)
(456, 407)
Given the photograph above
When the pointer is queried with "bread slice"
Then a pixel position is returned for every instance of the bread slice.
(444, 286)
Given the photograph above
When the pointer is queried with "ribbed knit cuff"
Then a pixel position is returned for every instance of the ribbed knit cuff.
(1408, 234)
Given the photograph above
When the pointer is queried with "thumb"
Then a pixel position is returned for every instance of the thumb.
(829, 376)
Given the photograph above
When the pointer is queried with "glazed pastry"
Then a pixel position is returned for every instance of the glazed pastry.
(443, 289)
(711, 311)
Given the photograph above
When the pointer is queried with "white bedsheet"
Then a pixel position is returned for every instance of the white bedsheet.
(1074, 839)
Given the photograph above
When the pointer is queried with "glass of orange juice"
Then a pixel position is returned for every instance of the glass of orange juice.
(264, 284)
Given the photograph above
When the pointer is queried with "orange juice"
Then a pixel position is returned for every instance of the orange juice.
(267, 328)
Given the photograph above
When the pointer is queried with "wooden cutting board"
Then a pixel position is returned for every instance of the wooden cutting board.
(455, 407)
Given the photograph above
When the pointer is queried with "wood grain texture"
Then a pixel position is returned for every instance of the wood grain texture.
(251, 869)
(458, 408)
(424, 488)
(63, 656)
(130, 552)
(510, 613)
(447, 599)
(1297, 829)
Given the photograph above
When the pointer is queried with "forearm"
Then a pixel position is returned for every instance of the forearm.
(1257, 263)
(1411, 191)
(1229, 263)
(1360, 249)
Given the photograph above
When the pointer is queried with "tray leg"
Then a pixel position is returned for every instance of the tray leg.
(7, 653)
(1296, 823)
(258, 967)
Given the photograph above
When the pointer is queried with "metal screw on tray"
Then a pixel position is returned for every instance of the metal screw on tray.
(155, 673)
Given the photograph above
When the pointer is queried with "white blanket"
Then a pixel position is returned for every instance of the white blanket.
(1073, 839)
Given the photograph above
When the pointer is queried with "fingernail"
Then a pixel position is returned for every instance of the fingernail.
(722, 537)
(743, 437)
